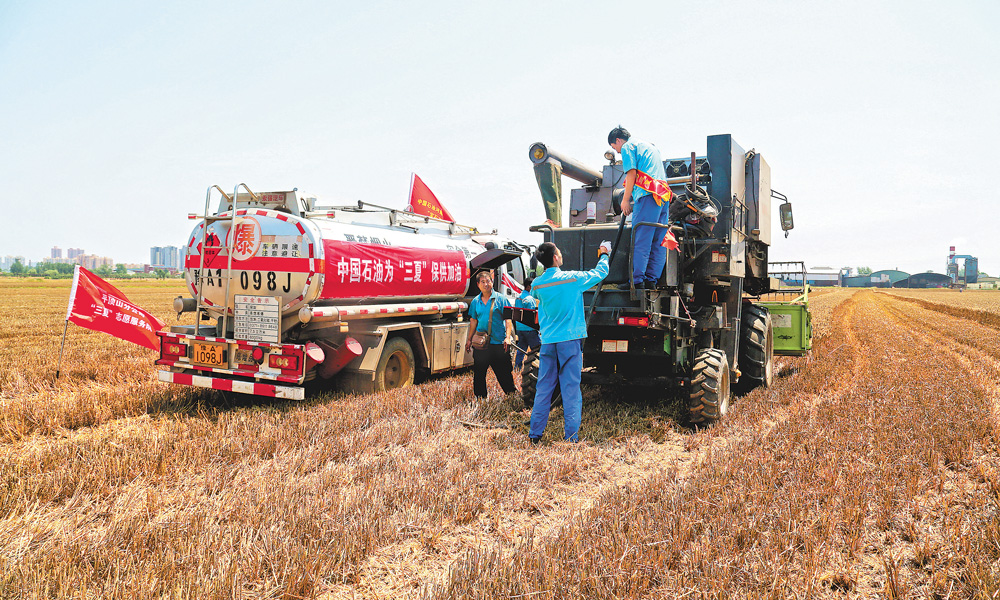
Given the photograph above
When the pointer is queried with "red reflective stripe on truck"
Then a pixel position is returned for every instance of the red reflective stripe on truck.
(276, 263)
(300, 227)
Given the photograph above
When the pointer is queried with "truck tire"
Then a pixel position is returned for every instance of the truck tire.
(396, 365)
(710, 393)
(529, 381)
(756, 349)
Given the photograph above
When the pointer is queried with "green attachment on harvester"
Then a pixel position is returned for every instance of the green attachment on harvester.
(791, 321)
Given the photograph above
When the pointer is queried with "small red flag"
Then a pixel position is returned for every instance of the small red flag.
(424, 202)
(669, 241)
(98, 305)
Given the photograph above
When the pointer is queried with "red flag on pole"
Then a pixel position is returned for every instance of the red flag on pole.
(424, 202)
(98, 305)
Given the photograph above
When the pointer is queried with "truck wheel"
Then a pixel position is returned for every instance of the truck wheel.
(709, 399)
(529, 381)
(756, 349)
(395, 366)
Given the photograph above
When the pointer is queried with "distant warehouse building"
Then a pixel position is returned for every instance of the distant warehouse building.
(817, 277)
(885, 278)
(924, 280)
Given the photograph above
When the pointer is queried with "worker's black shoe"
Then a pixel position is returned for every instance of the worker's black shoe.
(535, 440)
(628, 286)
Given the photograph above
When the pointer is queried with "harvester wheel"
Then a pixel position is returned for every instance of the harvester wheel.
(709, 399)
(396, 365)
(529, 381)
(756, 349)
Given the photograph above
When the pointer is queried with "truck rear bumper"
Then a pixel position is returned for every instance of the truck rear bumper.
(233, 385)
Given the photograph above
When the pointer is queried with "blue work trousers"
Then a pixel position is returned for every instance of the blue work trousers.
(561, 362)
(526, 340)
(648, 256)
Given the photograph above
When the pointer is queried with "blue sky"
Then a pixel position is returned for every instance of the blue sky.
(878, 119)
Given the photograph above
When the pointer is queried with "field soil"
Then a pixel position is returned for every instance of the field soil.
(870, 469)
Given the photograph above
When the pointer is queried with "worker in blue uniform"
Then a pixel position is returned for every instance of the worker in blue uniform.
(527, 337)
(563, 328)
(647, 199)
(486, 315)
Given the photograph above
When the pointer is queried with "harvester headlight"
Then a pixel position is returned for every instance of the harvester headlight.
(539, 153)
(609, 155)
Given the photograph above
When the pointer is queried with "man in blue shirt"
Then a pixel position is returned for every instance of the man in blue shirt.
(563, 328)
(486, 315)
(527, 338)
(647, 192)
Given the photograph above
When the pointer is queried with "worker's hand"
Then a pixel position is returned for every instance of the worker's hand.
(508, 342)
(605, 248)
(468, 345)
(626, 207)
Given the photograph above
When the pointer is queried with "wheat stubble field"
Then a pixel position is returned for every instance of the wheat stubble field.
(869, 470)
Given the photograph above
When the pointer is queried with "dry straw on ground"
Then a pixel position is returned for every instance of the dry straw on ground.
(867, 470)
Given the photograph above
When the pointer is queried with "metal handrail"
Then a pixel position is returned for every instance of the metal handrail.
(200, 279)
(229, 250)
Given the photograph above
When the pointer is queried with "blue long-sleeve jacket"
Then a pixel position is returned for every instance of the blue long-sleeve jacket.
(560, 301)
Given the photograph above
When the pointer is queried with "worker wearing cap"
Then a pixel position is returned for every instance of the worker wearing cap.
(486, 315)
(527, 337)
(563, 328)
(647, 198)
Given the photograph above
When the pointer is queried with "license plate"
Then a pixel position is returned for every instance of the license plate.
(243, 356)
(210, 355)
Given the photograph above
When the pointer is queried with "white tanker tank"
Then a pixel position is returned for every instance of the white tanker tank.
(336, 256)
(285, 292)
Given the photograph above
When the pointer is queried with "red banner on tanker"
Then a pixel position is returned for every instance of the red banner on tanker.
(98, 305)
(356, 270)
(424, 202)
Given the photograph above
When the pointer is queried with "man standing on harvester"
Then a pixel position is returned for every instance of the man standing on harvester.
(563, 328)
(647, 198)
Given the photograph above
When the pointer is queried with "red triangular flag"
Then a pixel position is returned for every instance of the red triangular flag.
(98, 305)
(669, 241)
(424, 202)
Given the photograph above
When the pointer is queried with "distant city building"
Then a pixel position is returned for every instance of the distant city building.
(56, 252)
(74, 252)
(58, 260)
(8, 261)
(92, 261)
(165, 257)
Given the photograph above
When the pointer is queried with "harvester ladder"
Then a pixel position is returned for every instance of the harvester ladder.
(228, 217)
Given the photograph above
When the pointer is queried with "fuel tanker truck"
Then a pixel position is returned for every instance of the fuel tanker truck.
(284, 292)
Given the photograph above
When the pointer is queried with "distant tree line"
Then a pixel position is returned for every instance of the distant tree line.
(65, 271)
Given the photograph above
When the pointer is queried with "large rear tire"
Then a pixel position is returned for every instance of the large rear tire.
(710, 391)
(756, 349)
(396, 365)
(529, 380)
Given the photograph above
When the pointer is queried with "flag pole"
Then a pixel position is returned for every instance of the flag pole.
(69, 311)
(61, 348)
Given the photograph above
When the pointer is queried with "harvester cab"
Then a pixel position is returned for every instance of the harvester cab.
(702, 325)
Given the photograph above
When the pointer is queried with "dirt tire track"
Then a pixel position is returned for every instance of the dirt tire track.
(402, 568)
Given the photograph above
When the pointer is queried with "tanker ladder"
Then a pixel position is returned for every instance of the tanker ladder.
(229, 221)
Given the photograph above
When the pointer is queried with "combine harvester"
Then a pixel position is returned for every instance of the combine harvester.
(284, 292)
(704, 327)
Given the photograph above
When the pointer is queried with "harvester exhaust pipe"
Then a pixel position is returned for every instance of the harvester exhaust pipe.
(549, 169)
